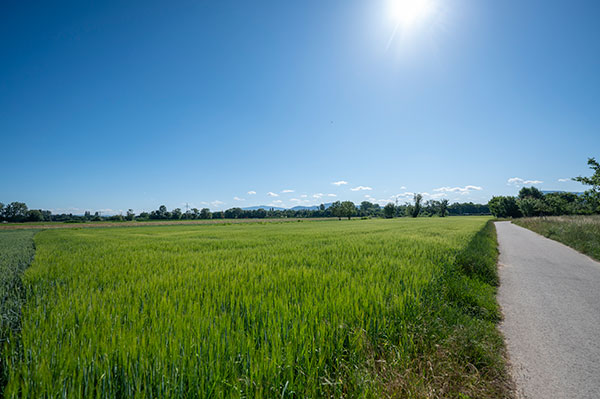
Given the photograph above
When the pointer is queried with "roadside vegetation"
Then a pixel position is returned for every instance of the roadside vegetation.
(533, 202)
(579, 232)
(363, 308)
(16, 252)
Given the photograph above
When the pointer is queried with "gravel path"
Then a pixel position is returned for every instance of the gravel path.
(550, 296)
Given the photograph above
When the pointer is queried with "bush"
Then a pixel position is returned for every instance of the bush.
(504, 207)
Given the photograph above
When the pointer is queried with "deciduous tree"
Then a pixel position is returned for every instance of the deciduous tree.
(443, 207)
(348, 209)
(593, 194)
(418, 198)
(389, 210)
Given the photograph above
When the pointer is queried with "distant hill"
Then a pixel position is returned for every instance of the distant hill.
(310, 208)
(558, 191)
(296, 208)
(265, 207)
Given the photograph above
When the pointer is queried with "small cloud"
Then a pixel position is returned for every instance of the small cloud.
(439, 195)
(517, 181)
(360, 188)
(277, 201)
(331, 195)
(318, 195)
(251, 192)
(405, 195)
(461, 190)
(217, 203)
(295, 200)
(403, 188)
(287, 191)
(339, 183)
(563, 180)
(272, 194)
(239, 199)
(304, 196)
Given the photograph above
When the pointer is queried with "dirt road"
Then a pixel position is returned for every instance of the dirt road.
(550, 297)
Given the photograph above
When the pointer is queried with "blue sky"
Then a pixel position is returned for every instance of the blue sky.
(112, 106)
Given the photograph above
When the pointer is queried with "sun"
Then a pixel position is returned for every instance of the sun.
(408, 14)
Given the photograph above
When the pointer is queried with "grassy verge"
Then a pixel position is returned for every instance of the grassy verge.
(461, 352)
(579, 232)
(16, 252)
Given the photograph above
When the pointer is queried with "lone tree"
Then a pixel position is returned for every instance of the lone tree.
(348, 209)
(443, 207)
(389, 210)
(593, 194)
(418, 198)
(130, 214)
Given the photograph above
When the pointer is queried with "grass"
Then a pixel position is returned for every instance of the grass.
(365, 308)
(579, 232)
(16, 252)
(144, 223)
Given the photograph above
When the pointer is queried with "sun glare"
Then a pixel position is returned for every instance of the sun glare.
(409, 13)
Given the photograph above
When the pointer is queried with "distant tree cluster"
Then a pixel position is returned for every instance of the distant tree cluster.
(17, 212)
(533, 202)
(430, 208)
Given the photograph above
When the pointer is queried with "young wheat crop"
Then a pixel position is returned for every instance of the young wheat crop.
(259, 310)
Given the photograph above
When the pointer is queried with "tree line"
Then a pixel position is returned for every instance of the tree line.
(17, 212)
(533, 202)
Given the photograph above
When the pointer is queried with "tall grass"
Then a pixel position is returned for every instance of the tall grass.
(579, 232)
(16, 253)
(328, 309)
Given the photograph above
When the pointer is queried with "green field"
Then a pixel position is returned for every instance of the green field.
(363, 308)
(16, 253)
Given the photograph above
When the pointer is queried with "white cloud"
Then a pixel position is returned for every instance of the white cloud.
(287, 191)
(272, 194)
(299, 201)
(359, 188)
(317, 195)
(403, 188)
(339, 183)
(217, 203)
(304, 196)
(563, 180)
(461, 190)
(239, 199)
(251, 192)
(439, 195)
(331, 195)
(517, 181)
(278, 202)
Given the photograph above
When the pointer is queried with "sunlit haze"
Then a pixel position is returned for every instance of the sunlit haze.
(409, 13)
